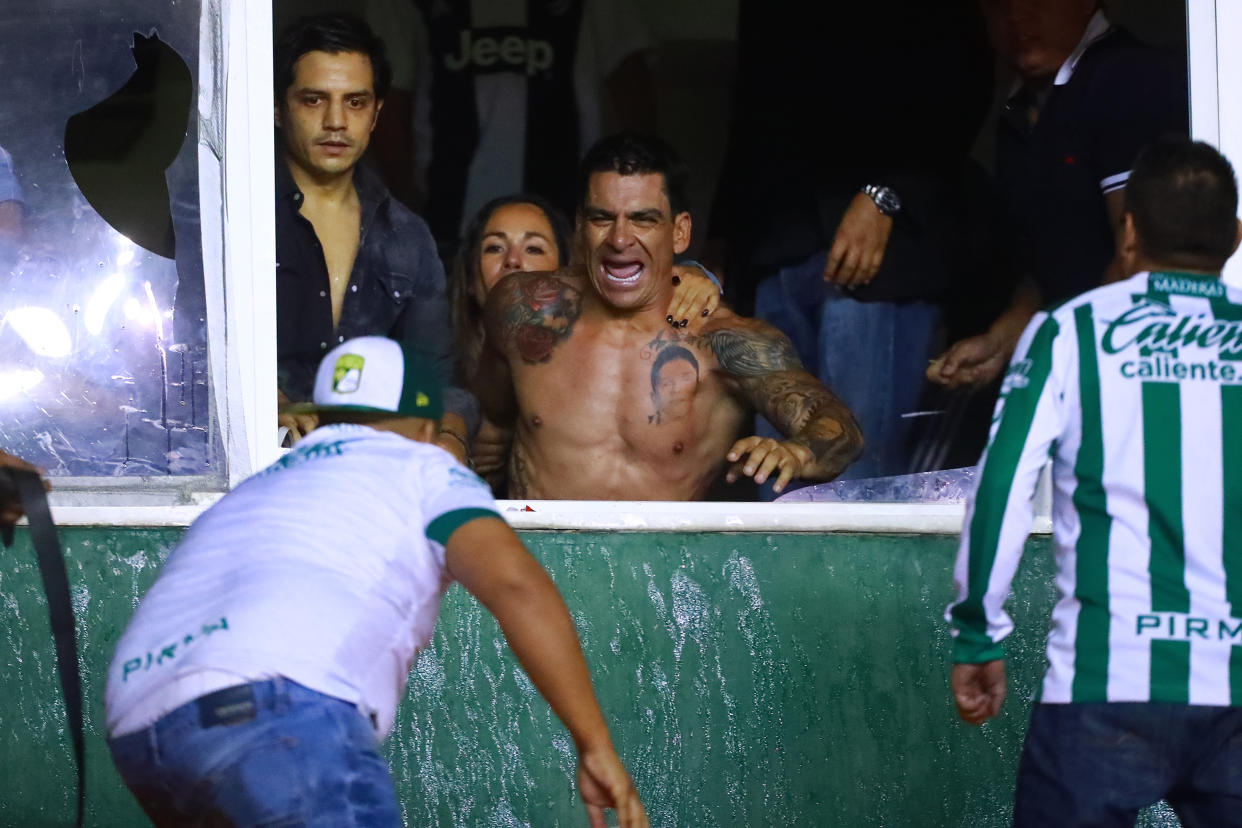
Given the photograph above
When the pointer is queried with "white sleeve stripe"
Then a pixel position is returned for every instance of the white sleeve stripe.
(1114, 182)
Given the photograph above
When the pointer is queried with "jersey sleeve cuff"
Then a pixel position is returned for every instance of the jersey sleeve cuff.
(443, 527)
(966, 651)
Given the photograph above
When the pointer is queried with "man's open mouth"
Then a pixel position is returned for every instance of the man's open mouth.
(622, 273)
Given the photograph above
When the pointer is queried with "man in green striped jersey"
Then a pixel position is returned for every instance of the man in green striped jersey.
(1134, 390)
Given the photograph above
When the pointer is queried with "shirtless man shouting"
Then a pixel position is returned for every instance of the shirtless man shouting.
(608, 401)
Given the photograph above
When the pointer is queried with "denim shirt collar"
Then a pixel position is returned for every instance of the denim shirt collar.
(372, 193)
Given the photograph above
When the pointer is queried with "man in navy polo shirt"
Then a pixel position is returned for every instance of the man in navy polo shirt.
(1088, 97)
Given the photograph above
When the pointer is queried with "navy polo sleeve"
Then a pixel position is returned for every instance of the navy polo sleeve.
(1138, 96)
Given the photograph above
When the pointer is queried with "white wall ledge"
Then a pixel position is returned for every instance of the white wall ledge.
(622, 516)
(636, 516)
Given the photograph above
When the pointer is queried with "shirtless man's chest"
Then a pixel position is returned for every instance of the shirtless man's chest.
(613, 410)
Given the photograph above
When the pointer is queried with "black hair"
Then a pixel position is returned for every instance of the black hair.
(467, 316)
(1183, 198)
(333, 33)
(668, 355)
(630, 154)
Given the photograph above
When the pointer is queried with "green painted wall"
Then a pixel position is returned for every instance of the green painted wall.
(750, 679)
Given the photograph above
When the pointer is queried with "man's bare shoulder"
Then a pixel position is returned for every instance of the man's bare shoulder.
(528, 314)
(514, 286)
(747, 347)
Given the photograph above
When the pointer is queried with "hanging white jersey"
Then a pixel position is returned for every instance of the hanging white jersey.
(1134, 390)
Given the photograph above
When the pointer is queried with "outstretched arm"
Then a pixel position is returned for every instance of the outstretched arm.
(822, 436)
(491, 563)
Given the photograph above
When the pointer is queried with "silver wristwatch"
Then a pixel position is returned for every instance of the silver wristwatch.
(886, 201)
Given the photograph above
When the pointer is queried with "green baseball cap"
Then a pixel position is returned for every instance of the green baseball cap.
(378, 375)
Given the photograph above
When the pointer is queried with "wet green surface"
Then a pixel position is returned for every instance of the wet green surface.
(750, 679)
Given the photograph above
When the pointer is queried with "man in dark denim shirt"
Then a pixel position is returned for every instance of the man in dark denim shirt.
(396, 287)
(351, 260)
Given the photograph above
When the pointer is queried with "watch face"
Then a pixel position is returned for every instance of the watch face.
(887, 200)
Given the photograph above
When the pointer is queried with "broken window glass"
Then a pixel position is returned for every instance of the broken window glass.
(103, 368)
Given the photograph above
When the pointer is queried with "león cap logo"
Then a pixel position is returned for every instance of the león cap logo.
(375, 374)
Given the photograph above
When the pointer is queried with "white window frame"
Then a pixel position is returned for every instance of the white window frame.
(238, 241)
(243, 350)
(236, 56)
(1214, 51)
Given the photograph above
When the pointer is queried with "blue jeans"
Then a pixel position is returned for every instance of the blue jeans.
(1099, 764)
(267, 753)
(872, 355)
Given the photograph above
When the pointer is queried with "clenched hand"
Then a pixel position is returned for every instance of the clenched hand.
(978, 690)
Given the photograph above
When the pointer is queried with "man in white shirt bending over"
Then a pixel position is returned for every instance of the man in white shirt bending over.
(264, 666)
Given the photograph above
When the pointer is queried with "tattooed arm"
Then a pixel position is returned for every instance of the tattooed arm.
(822, 435)
(526, 316)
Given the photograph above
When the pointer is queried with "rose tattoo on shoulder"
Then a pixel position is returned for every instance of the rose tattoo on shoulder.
(542, 314)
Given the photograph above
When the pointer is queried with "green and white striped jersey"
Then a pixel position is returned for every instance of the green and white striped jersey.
(1135, 392)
